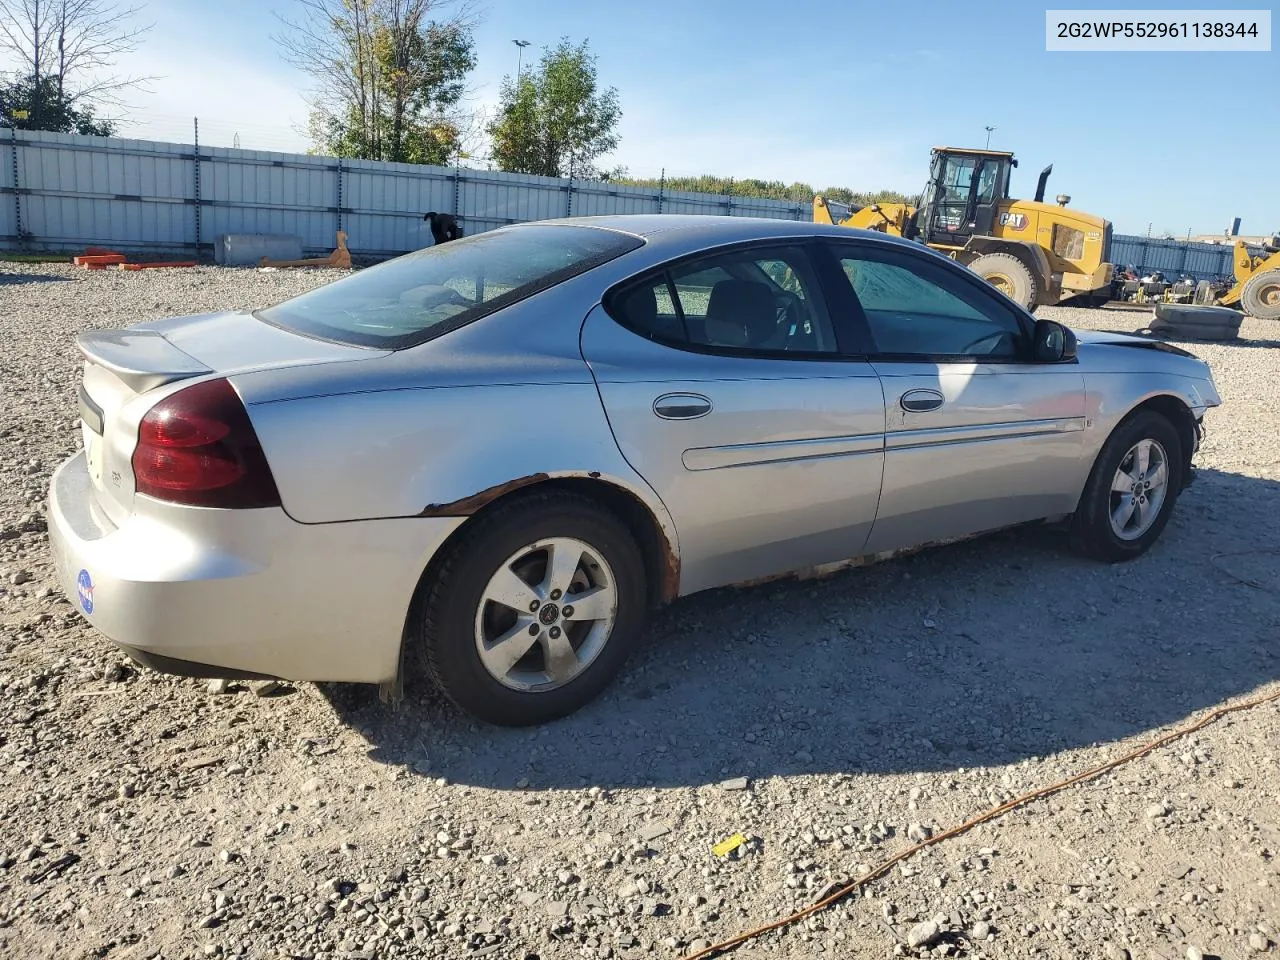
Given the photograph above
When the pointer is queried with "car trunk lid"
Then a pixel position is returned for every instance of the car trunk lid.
(127, 371)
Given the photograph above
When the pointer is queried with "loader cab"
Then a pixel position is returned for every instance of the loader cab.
(962, 197)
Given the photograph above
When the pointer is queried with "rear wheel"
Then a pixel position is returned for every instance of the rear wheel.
(1131, 490)
(1261, 295)
(534, 611)
(1009, 275)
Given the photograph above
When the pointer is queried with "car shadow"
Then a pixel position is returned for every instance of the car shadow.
(13, 279)
(979, 653)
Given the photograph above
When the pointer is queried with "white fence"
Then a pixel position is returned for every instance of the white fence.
(65, 191)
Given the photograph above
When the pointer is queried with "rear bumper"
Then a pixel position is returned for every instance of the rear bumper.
(240, 592)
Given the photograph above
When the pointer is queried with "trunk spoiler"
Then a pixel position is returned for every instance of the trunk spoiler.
(142, 359)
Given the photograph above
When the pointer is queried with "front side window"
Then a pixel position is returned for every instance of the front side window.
(916, 309)
(958, 179)
(754, 299)
(420, 295)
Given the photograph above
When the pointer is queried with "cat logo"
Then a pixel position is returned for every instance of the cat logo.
(1014, 221)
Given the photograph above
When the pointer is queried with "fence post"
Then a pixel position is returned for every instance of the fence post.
(339, 195)
(196, 170)
(662, 188)
(728, 194)
(568, 205)
(457, 186)
(17, 196)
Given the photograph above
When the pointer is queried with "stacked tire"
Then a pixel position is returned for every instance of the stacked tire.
(1190, 322)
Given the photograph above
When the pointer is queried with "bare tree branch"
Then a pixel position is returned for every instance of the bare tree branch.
(64, 49)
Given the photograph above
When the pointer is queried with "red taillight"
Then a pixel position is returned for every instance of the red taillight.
(198, 447)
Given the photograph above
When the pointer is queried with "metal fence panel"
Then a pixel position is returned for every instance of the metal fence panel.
(77, 191)
(130, 192)
(384, 203)
(1203, 261)
(680, 201)
(254, 191)
(596, 199)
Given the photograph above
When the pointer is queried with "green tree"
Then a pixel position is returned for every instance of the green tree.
(35, 104)
(389, 76)
(797, 192)
(554, 120)
(62, 52)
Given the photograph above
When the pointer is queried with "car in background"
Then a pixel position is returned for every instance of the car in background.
(494, 457)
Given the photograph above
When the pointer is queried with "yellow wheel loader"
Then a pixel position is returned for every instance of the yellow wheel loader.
(1257, 287)
(1034, 252)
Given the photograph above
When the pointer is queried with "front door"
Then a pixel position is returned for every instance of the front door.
(977, 435)
(727, 390)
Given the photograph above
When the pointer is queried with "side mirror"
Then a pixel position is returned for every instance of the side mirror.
(1054, 343)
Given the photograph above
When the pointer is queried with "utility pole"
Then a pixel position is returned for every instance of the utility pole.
(989, 129)
(520, 45)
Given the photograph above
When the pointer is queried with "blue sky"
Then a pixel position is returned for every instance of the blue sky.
(822, 91)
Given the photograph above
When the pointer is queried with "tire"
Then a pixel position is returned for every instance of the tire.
(450, 615)
(1008, 274)
(1092, 529)
(1204, 293)
(1261, 295)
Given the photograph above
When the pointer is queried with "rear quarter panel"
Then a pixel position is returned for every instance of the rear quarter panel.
(505, 401)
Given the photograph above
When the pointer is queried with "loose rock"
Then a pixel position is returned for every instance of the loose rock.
(923, 934)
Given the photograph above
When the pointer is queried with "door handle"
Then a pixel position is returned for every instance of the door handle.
(921, 401)
(681, 406)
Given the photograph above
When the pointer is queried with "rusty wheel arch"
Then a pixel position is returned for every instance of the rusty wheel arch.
(661, 559)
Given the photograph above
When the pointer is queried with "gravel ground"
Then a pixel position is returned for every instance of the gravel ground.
(832, 723)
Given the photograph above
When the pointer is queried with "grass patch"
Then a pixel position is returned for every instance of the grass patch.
(34, 257)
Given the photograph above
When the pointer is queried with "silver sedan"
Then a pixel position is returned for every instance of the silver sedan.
(491, 458)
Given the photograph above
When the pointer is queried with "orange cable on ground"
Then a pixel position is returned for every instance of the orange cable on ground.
(886, 866)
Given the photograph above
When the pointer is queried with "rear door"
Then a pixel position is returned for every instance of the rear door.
(977, 435)
(731, 392)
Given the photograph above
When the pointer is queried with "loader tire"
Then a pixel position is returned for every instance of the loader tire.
(1009, 275)
(1261, 295)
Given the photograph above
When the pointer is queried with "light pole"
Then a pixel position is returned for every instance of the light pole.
(520, 45)
(989, 129)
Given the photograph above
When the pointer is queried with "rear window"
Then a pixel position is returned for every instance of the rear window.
(422, 295)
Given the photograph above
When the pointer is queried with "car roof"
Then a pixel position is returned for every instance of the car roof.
(697, 230)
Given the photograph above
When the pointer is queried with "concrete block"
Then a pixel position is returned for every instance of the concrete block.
(246, 249)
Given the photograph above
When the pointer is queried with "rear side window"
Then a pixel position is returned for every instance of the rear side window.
(421, 295)
(757, 300)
